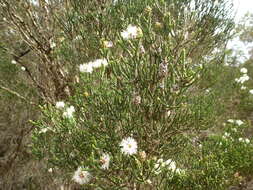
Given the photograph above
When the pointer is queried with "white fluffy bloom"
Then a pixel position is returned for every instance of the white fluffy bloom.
(251, 91)
(244, 140)
(226, 135)
(69, 112)
(239, 122)
(128, 146)
(131, 32)
(78, 37)
(234, 129)
(81, 176)
(88, 67)
(105, 160)
(23, 68)
(60, 105)
(242, 79)
(231, 121)
(52, 44)
(85, 68)
(243, 87)
(169, 164)
(14, 62)
(98, 63)
(216, 3)
(44, 130)
(244, 70)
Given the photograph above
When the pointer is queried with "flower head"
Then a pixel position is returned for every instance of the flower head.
(81, 176)
(14, 62)
(85, 68)
(251, 91)
(69, 112)
(230, 120)
(128, 146)
(60, 105)
(243, 87)
(244, 70)
(238, 122)
(98, 63)
(168, 164)
(105, 160)
(88, 67)
(131, 32)
(242, 79)
(244, 140)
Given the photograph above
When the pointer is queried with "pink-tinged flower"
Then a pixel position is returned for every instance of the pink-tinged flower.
(81, 176)
(105, 161)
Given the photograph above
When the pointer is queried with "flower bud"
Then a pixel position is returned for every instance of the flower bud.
(158, 25)
(148, 10)
(136, 99)
(143, 155)
(163, 69)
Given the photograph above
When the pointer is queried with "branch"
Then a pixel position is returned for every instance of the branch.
(16, 94)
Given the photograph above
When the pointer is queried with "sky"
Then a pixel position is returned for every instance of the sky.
(241, 7)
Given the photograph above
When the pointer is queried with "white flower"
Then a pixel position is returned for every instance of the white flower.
(216, 3)
(251, 91)
(81, 176)
(243, 87)
(239, 122)
(50, 170)
(44, 130)
(244, 140)
(234, 129)
(159, 164)
(169, 164)
(105, 160)
(98, 63)
(14, 62)
(226, 135)
(23, 68)
(86, 68)
(128, 146)
(60, 105)
(242, 79)
(231, 121)
(247, 140)
(115, 1)
(78, 37)
(244, 70)
(131, 32)
(52, 44)
(69, 112)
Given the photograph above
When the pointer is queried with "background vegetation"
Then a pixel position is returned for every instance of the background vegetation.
(171, 85)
